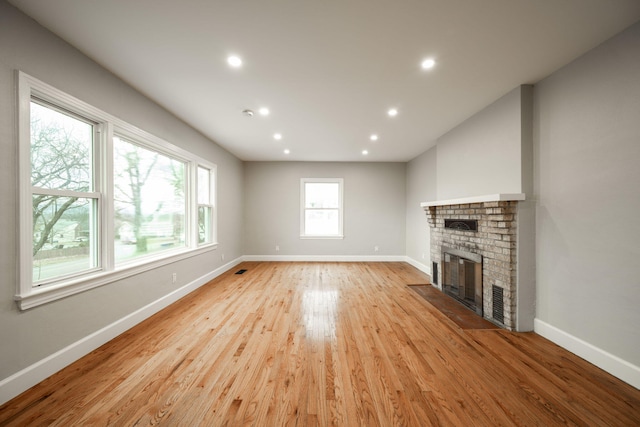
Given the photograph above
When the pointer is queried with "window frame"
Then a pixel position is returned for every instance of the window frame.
(30, 295)
(340, 208)
(93, 194)
(211, 205)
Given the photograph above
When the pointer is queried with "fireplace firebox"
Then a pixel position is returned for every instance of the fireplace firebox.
(462, 277)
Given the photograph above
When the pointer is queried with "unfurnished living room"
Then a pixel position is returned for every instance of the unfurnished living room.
(350, 213)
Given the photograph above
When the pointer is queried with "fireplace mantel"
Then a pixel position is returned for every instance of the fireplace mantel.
(500, 197)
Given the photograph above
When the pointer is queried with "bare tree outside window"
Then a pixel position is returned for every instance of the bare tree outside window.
(61, 169)
(100, 199)
(133, 168)
(149, 200)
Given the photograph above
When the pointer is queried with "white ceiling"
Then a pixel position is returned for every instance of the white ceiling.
(329, 70)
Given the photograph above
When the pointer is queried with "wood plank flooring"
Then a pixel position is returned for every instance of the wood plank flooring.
(307, 344)
(454, 310)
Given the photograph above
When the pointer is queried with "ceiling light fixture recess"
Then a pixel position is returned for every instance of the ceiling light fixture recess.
(286, 151)
(277, 136)
(365, 152)
(428, 64)
(264, 111)
(373, 137)
(234, 61)
(248, 113)
(392, 112)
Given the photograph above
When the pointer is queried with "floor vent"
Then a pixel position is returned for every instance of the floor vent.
(241, 271)
(498, 303)
(434, 273)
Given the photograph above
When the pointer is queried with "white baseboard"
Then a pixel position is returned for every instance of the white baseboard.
(617, 367)
(420, 266)
(327, 258)
(21, 381)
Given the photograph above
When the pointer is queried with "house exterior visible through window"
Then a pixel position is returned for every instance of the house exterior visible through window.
(64, 204)
(149, 191)
(321, 212)
(100, 199)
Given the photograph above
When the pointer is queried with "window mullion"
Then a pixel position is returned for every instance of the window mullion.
(66, 193)
(104, 184)
(191, 233)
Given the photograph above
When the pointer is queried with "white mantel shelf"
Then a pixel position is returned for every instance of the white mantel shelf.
(501, 197)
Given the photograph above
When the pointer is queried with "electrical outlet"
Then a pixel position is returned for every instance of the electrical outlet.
(277, 248)
(174, 277)
(375, 248)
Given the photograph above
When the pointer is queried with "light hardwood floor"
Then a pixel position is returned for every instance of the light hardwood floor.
(322, 344)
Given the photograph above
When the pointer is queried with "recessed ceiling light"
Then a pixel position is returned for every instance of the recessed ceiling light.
(365, 152)
(277, 136)
(247, 113)
(392, 112)
(234, 61)
(264, 111)
(428, 64)
(286, 151)
(373, 137)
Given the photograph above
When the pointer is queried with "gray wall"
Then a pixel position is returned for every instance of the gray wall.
(374, 208)
(27, 337)
(482, 155)
(587, 180)
(488, 153)
(421, 187)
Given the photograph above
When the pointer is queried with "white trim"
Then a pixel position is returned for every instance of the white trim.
(67, 193)
(21, 381)
(500, 197)
(327, 258)
(608, 362)
(44, 294)
(420, 266)
(340, 208)
(30, 294)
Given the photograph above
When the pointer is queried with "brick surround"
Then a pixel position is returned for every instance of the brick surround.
(495, 240)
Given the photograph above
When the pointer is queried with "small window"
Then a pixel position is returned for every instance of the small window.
(205, 206)
(321, 208)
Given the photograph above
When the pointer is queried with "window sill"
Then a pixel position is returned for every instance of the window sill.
(304, 236)
(46, 294)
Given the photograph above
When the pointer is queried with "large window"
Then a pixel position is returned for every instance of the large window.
(149, 201)
(64, 205)
(321, 208)
(101, 199)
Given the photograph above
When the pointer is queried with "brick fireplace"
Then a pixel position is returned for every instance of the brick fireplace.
(494, 241)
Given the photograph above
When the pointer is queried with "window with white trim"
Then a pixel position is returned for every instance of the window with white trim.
(64, 204)
(205, 205)
(149, 194)
(321, 211)
(100, 199)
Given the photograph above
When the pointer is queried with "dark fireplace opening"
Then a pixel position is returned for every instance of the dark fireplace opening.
(462, 277)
